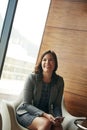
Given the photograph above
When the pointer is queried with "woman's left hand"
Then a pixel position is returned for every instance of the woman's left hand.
(58, 121)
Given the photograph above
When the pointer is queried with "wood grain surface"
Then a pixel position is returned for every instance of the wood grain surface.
(66, 34)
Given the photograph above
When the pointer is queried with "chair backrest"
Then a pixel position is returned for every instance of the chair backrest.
(19, 100)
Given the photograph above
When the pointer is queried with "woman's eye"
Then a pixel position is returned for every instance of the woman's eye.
(48, 60)
(44, 60)
(51, 60)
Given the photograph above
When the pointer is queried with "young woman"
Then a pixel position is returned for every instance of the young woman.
(42, 97)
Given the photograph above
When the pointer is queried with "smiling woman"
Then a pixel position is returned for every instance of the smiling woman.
(24, 41)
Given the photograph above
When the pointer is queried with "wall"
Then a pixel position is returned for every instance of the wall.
(66, 34)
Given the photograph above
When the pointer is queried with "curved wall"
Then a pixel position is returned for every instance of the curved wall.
(66, 34)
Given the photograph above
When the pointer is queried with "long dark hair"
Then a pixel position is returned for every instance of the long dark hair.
(38, 67)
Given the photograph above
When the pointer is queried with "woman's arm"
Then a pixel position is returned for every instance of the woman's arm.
(57, 104)
(29, 94)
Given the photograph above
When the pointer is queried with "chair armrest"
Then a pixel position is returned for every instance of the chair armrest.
(9, 121)
(68, 123)
(80, 123)
(6, 122)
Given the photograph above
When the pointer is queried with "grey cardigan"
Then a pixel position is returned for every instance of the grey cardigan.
(32, 93)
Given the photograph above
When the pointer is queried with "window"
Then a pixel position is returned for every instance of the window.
(24, 43)
(3, 8)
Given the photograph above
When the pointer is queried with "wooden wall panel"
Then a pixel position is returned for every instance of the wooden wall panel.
(69, 14)
(66, 34)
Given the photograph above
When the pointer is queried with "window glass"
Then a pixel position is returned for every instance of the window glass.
(3, 7)
(24, 43)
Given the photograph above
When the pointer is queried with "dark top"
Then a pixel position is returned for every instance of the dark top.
(44, 100)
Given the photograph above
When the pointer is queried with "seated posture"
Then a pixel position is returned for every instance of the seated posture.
(42, 96)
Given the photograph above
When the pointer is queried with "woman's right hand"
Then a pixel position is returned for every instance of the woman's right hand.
(49, 117)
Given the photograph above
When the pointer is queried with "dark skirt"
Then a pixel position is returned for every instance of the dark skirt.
(25, 120)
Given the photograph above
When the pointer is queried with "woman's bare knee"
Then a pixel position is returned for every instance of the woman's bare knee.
(40, 123)
(46, 125)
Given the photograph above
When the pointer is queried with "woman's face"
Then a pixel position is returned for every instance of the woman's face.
(48, 63)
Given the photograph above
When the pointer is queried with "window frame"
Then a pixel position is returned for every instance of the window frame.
(6, 30)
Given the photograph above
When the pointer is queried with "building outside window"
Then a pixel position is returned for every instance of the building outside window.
(24, 43)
